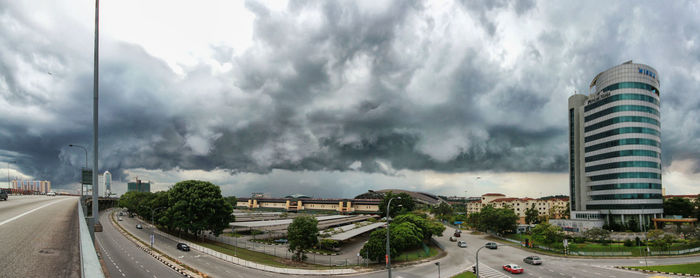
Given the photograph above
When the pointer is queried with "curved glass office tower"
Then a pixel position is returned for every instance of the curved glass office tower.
(615, 146)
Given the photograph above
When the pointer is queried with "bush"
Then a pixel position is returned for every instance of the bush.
(579, 239)
(328, 244)
(628, 243)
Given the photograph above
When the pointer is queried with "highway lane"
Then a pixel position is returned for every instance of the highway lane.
(124, 259)
(39, 237)
(209, 265)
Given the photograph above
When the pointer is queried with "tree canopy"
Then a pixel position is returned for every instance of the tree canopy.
(499, 220)
(532, 215)
(547, 233)
(443, 210)
(302, 234)
(191, 206)
(679, 206)
(398, 206)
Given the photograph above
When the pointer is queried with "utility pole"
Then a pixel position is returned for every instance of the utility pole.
(95, 206)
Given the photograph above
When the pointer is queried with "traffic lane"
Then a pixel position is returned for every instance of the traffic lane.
(124, 259)
(43, 242)
(16, 205)
(552, 266)
(211, 266)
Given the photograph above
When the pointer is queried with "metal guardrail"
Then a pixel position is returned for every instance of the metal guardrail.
(89, 263)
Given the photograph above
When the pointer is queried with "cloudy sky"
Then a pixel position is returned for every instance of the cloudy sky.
(332, 98)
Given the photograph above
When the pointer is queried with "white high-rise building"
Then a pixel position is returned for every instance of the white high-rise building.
(615, 147)
(107, 179)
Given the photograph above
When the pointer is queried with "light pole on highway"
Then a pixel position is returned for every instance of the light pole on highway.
(8, 173)
(86, 167)
(477, 258)
(388, 251)
(438, 265)
(153, 232)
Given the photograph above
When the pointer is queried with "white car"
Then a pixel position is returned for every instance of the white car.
(462, 244)
(51, 193)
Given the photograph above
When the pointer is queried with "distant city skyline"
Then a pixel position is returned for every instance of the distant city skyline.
(333, 98)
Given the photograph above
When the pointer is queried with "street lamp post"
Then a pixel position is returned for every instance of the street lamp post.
(477, 260)
(388, 252)
(86, 166)
(438, 265)
(153, 233)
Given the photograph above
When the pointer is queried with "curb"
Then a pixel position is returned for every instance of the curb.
(183, 271)
(659, 272)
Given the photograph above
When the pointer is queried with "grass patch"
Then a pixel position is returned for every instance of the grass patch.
(258, 257)
(692, 268)
(466, 274)
(417, 254)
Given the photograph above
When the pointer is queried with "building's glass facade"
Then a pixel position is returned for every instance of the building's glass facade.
(621, 143)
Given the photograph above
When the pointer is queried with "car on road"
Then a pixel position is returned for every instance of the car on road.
(458, 233)
(120, 219)
(281, 240)
(532, 260)
(121, 213)
(491, 245)
(3, 194)
(513, 268)
(183, 247)
(462, 244)
(51, 193)
(138, 226)
(453, 239)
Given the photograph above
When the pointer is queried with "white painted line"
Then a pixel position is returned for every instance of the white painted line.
(28, 212)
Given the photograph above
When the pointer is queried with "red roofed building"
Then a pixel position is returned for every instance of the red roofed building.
(547, 207)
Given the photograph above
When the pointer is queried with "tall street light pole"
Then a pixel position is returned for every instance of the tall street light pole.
(95, 212)
(86, 166)
(388, 251)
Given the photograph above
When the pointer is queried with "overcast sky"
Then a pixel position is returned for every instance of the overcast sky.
(332, 98)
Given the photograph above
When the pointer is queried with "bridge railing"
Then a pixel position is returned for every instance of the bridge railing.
(89, 263)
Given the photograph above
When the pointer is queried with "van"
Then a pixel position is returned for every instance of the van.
(3, 194)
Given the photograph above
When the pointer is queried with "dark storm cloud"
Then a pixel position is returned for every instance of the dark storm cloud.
(339, 86)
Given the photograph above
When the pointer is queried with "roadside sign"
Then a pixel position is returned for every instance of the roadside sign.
(386, 257)
(566, 243)
(86, 177)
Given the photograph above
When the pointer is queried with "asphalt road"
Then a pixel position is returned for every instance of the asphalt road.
(124, 259)
(209, 265)
(39, 237)
(457, 260)
(491, 262)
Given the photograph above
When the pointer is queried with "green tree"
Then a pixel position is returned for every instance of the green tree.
(134, 201)
(427, 227)
(196, 206)
(531, 215)
(232, 200)
(405, 235)
(473, 219)
(499, 220)
(302, 234)
(597, 234)
(375, 248)
(398, 206)
(547, 233)
(678, 206)
(660, 239)
(443, 210)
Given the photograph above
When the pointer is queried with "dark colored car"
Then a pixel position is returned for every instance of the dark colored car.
(183, 247)
(138, 226)
(491, 245)
(3, 194)
(532, 260)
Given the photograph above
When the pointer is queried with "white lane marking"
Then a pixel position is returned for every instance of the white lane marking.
(28, 212)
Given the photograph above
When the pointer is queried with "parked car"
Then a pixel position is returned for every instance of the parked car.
(491, 245)
(462, 244)
(513, 268)
(138, 226)
(453, 238)
(281, 240)
(532, 260)
(183, 247)
(51, 193)
(3, 194)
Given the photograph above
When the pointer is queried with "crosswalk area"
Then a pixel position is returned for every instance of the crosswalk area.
(488, 272)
